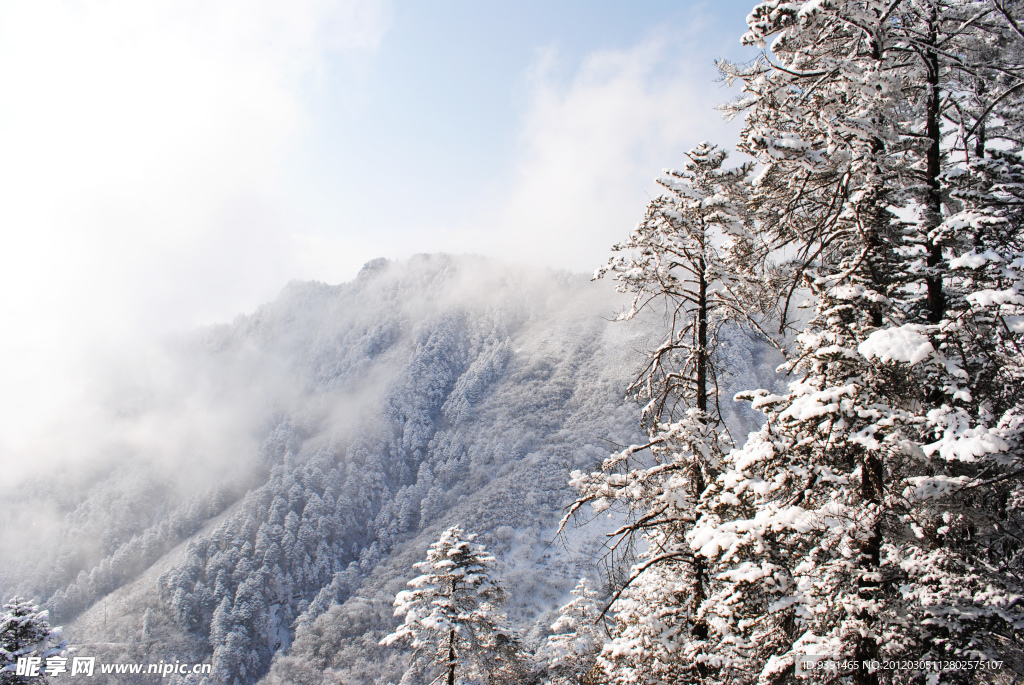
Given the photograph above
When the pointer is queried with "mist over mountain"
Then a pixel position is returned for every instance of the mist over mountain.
(255, 494)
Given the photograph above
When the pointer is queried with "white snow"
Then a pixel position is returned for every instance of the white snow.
(928, 487)
(974, 260)
(907, 344)
(987, 298)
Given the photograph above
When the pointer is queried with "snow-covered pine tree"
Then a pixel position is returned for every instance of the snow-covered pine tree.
(964, 571)
(830, 529)
(687, 256)
(571, 651)
(684, 257)
(451, 619)
(25, 631)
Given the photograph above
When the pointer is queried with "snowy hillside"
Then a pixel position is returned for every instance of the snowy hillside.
(334, 433)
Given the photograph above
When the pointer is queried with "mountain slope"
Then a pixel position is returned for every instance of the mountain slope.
(374, 414)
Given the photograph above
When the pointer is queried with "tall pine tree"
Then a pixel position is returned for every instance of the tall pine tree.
(841, 528)
(686, 256)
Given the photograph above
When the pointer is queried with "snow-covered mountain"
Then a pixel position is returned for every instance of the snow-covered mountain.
(263, 497)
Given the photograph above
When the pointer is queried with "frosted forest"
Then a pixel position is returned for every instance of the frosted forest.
(776, 438)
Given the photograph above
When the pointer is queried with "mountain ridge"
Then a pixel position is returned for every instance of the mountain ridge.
(421, 394)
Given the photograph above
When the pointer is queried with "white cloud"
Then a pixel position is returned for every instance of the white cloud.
(140, 148)
(150, 154)
(591, 147)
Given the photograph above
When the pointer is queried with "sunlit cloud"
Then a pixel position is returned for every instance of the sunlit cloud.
(591, 145)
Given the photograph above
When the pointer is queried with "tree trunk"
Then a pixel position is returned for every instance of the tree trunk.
(702, 337)
(933, 209)
(979, 140)
(700, 629)
(451, 657)
(451, 640)
(869, 561)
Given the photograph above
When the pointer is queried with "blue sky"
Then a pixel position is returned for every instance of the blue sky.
(448, 109)
(170, 163)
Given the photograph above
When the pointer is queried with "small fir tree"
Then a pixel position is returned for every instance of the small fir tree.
(570, 653)
(451, 619)
(25, 632)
